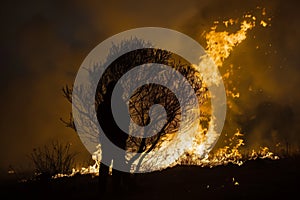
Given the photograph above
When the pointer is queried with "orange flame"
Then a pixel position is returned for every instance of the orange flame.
(219, 47)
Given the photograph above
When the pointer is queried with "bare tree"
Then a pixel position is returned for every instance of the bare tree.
(146, 96)
(52, 159)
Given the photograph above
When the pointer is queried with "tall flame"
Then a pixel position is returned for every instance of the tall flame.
(219, 45)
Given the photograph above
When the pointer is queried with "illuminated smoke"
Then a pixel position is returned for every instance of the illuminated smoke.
(219, 45)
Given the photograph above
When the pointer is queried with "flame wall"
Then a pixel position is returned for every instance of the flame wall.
(44, 42)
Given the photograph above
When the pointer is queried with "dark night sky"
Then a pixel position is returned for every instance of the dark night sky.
(43, 43)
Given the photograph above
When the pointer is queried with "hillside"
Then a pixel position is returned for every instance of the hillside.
(255, 179)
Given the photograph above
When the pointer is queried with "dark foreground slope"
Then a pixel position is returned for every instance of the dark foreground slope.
(257, 179)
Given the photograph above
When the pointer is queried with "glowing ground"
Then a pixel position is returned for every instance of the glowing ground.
(255, 179)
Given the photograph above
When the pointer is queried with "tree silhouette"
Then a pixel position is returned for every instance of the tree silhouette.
(141, 101)
(115, 135)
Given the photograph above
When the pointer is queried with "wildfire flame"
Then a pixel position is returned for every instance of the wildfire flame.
(219, 45)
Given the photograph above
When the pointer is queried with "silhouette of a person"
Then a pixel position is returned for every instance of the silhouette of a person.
(116, 135)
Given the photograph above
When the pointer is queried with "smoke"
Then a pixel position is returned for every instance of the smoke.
(271, 124)
(44, 42)
(265, 71)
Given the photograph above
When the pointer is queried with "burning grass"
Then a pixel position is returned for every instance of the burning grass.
(219, 45)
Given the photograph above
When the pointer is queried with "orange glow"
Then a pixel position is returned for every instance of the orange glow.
(219, 46)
